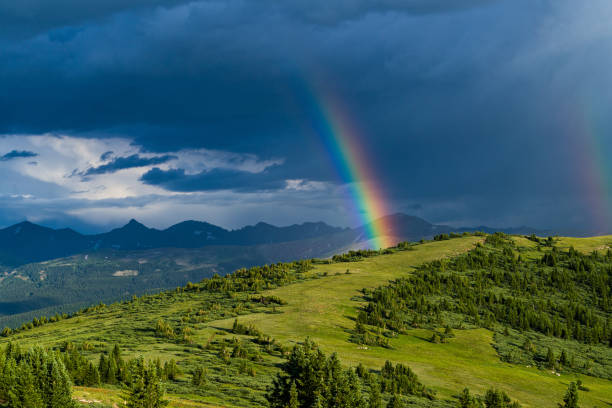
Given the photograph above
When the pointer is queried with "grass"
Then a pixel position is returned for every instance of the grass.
(322, 309)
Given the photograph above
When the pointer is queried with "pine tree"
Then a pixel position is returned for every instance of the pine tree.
(116, 355)
(466, 400)
(293, 397)
(495, 399)
(375, 400)
(498, 399)
(60, 385)
(318, 402)
(198, 378)
(528, 345)
(158, 368)
(361, 371)
(8, 371)
(550, 358)
(103, 368)
(394, 402)
(119, 364)
(24, 393)
(111, 373)
(171, 370)
(92, 375)
(145, 390)
(571, 397)
(354, 394)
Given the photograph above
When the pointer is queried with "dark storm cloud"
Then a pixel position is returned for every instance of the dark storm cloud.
(17, 154)
(106, 155)
(214, 180)
(326, 12)
(19, 19)
(29, 17)
(467, 108)
(129, 162)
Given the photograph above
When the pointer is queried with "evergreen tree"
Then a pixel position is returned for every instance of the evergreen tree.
(92, 375)
(145, 390)
(24, 392)
(171, 370)
(550, 358)
(103, 368)
(198, 378)
(119, 364)
(375, 400)
(8, 372)
(528, 345)
(394, 402)
(60, 385)
(111, 373)
(499, 399)
(468, 401)
(496, 399)
(293, 397)
(116, 355)
(571, 397)
(361, 371)
(318, 402)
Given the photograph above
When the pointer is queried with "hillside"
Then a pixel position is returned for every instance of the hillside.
(326, 301)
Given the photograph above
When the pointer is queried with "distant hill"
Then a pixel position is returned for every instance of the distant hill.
(27, 242)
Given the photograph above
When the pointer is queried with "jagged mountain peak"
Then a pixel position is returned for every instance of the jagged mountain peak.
(134, 224)
(28, 242)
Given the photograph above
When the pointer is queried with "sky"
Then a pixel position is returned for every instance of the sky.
(469, 112)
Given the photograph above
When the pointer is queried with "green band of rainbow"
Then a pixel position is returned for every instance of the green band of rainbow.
(587, 124)
(341, 139)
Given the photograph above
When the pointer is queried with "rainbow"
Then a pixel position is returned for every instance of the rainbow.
(343, 142)
(589, 148)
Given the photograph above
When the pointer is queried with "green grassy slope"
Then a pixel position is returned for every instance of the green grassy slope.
(323, 310)
(321, 306)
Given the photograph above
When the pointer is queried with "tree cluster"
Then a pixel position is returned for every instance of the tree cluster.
(34, 379)
(312, 379)
(563, 294)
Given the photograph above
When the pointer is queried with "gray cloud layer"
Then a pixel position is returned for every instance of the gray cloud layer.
(20, 19)
(121, 163)
(216, 179)
(17, 154)
(471, 111)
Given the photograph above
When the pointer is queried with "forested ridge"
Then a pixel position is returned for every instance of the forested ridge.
(558, 294)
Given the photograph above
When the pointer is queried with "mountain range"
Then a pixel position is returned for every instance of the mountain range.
(27, 242)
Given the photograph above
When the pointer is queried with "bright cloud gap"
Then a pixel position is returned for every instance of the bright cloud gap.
(104, 181)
